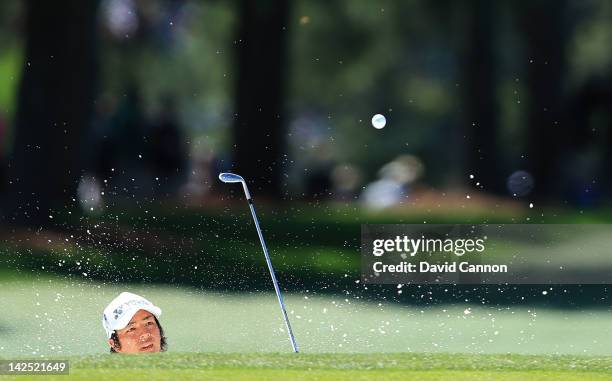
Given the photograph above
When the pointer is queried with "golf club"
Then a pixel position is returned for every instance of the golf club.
(233, 178)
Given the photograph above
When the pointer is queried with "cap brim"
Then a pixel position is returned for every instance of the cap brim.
(128, 315)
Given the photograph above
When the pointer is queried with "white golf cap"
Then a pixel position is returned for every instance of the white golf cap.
(120, 311)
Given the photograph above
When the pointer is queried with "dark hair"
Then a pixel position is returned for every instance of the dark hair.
(116, 344)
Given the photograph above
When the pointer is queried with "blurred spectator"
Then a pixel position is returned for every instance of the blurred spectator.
(394, 185)
(202, 173)
(346, 180)
(314, 155)
(404, 169)
(383, 193)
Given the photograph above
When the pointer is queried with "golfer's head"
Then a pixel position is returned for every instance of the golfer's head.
(132, 326)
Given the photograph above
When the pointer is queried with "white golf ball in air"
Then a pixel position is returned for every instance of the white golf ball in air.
(379, 121)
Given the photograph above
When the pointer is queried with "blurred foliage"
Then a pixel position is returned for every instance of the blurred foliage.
(185, 52)
(590, 45)
(385, 58)
(349, 59)
(11, 60)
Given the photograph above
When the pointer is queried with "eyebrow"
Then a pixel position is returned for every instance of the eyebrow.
(130, 323)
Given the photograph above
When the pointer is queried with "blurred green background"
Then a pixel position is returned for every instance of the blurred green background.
(116, 117)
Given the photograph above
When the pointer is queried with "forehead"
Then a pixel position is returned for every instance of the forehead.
(141, 315)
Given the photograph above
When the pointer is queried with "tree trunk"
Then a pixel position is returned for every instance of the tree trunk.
(480, 120)
(259, 129)
(55, 105)
(545, 35)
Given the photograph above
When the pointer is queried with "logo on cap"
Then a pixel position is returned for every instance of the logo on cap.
(118, 311)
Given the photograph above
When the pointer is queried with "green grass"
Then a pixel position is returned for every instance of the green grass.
(234, 336)
(61, 316)
(393, 366)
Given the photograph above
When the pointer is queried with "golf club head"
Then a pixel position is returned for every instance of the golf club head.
(227, 177)
(230, 178)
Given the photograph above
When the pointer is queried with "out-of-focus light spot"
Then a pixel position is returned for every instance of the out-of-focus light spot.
(90, 193)
(520, 183)
(120, 17)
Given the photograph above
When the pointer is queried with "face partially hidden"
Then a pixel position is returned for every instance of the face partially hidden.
(141, 335)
